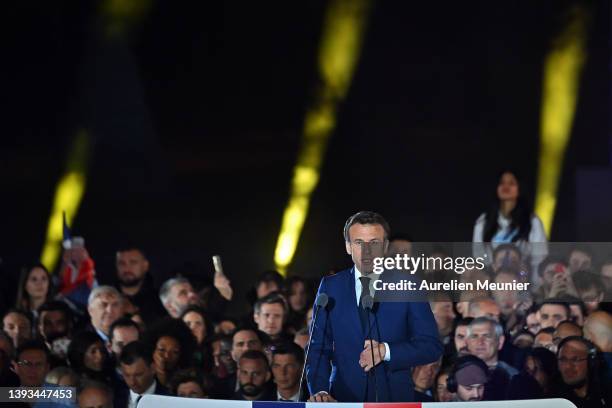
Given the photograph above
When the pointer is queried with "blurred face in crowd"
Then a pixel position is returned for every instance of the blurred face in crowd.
(53, 324)
(94, 398)
(579, 261)
(104, 310)
(486, 308)
(523, 341)
(606, 276)
(252, 376)
(245, 340)
(222, 356)
(95, 356)
(505, 299)
(445, 315)
(286, 371)
(131, 267)
(366, 238)
(195, 322)
(400, 246)
(167, 353)
(545, 340)
(190, 389)
(573, 363)
(472, 392)
(550, 271)
(533, 366)
(122, 336)
(265, 288)
(550, 315)
(301, 340)
(443, 394)
(31, 368)
(37, 284)
(564, 330)
(181, 295)
(270, 318)
(424, 376)
(576, 315)
(506, 258)
(18, 327)
(533, 323)
(139, 375)
(461, 340)
(226, 327)
(483, 343)
(591, 297)
(297, 297)
(508, 187)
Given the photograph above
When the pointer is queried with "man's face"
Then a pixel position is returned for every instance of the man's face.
(252, 376)
(167, 353)
(104, 310)
(461, 340)
(424, 375)
(544, 340)
(606, 275)
(18, 327)
(445, 315)
(369, 239)
(139, 375)
(286, 371)
(297, 298)
(506, 299)
(122, 336)
(573, 363)
(270, 318)
(483, 343)
(53, 324)
(131, 267)
(488, 308)
(190, 389)
(551, 315)
(245, 340)
(94, 398)
(181, 296)
(579, 261)
(533, 323)
(470, 392)
(32, 367)
(591, 298)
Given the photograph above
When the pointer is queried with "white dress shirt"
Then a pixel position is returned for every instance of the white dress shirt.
(293, 398)
(358, 296)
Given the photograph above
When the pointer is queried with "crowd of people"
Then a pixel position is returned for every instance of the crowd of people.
(119, 341)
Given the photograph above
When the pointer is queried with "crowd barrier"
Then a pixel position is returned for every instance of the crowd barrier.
(158, 401)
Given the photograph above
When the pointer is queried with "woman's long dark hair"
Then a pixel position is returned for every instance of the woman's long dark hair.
(76, 356)
(520, 216)
(23, 299)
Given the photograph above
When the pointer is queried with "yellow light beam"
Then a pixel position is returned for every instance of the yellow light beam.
(68, 196)
(341, 40)
(561, 81)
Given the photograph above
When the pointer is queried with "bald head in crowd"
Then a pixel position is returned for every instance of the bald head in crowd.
(598, 329)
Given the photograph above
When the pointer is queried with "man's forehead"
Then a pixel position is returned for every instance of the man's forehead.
(552, 308)
(357, 231)
(284, 358)
(181, 286)
(33, 354)
(130, 254)
(272, 307)
(482, 327)
(107, 297)
(574, 347)
(244, 334)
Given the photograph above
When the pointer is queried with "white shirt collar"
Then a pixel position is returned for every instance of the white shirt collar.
(293, 398)
(150, 390)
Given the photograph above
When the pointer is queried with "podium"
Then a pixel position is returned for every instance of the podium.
(158, 401)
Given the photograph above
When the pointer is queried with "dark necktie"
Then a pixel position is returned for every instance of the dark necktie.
(365, 291)
(138, 399)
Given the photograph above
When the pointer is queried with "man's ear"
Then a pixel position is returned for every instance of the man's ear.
(268, 375)
(502, 340)
(256, 317)
(348, 247)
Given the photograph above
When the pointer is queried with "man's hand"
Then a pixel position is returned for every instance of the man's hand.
(322, 396)
(223, 285)
(562, 284)
(365, 358)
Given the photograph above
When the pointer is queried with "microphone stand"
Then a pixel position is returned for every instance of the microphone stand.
(320, 302)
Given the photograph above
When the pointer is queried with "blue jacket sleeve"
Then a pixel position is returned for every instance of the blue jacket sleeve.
(320, 354)
(424, 345)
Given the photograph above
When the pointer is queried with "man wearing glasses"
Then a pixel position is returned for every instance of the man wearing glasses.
(32, 363)
(577, 362)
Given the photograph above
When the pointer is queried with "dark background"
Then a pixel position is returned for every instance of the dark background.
(196, 118)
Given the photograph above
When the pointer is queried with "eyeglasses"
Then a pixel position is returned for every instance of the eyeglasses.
(30, 364)
(572, 361)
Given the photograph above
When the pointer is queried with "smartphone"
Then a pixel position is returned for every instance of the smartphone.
(559, 268)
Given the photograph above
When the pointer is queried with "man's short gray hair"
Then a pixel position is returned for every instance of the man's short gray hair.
(164, 290)
(102, 290)
(497, 327)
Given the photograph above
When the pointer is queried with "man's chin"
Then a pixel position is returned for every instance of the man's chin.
(130, 283)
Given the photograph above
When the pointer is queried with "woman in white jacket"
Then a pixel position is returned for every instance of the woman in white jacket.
(511, 220)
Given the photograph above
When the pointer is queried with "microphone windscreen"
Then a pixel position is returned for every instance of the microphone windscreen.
(367, 302)
(322, 300)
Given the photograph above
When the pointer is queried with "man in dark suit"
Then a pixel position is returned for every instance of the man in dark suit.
(138, 370)
(401, 334)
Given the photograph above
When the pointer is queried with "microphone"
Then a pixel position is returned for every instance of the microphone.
(368, 303)
(320, 302)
